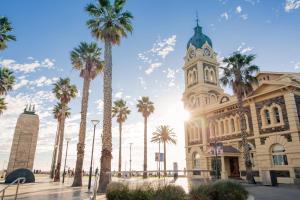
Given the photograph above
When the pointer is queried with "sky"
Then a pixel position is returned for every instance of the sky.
(147, 63)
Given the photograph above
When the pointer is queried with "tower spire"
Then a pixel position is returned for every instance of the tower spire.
(197, 19)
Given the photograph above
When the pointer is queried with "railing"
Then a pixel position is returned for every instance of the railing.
(95, 187)
(18, 181)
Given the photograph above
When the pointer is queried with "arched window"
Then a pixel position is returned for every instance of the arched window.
(196, 160)
(212, 76)
(232, 125)
(278, 155)
(267, 117)
(276, 115)
(226, 127)
(206, 74)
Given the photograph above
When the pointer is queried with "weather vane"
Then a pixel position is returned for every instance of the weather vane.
(197, 19)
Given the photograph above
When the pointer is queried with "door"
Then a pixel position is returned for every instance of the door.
(234, 167)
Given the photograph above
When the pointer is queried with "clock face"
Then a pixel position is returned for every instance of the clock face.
(192, 53)
(206, 52)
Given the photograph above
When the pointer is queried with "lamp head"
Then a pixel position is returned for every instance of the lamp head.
(95, 121)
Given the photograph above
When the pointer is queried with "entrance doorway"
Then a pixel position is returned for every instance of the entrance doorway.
(234, 166)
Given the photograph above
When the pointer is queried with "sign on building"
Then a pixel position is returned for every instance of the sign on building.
(216, 148)
(159, 158)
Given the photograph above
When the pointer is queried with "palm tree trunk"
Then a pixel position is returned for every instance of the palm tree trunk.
(120, 148)
(248, 164)
(165, 159)
(54, 154)
(145, 148)
(82, 132)
(106, 156)
(61, 142)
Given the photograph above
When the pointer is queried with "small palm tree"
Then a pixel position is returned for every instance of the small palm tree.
(57, 111)
(238, 74)
(64, 92)
(120, 111)
(108, 23)
(164, 134)
(146, 107)
(5, 28)
(7, 80)
(2, 105)
(86, 59)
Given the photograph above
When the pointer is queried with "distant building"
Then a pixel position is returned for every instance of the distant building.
(272, 118)
(24, 141)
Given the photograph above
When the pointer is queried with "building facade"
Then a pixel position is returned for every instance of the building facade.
(272, 113)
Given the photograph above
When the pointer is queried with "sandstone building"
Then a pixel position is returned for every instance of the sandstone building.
(24, 141)
(272, 118)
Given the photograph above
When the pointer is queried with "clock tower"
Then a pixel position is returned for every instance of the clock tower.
(201, 73)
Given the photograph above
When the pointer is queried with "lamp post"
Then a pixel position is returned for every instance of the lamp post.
(95, 122)
(64, 173)
(130, 159)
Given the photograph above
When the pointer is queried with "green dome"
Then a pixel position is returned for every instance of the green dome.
(199, 38)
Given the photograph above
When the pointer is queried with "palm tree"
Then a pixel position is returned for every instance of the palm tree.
(7, 80)
(2, 105)
(64, 92)
(86, 59)
(120, 111)
(145, 106)
(238, 74)
(108, 23)
(164, 134)
(57, 110)
(5, 28)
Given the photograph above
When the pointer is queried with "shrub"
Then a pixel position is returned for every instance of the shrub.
(117, 191)
(142, 194)
(220, 190)
(170, 192)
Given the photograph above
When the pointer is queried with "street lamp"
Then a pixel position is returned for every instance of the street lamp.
(64, 173)
(130, 160)
(95, 122)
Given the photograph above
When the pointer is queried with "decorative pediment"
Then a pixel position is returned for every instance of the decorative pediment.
(266, 87)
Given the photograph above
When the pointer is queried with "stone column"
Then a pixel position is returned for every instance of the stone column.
(223, 169)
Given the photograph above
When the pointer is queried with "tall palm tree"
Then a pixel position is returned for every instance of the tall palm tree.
(109, 23)
(7, 80)
(2, 105)
(57, 111)
(120, 111)
(164, 134)
(64, 92)
(5, 28)
(146, 107)
(238, 73)
(86, 59)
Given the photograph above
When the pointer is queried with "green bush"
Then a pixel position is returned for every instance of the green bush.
(169, 192)
(117, 191)
(220, 190)
(142, 194)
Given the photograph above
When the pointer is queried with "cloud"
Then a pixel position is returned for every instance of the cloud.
(164, 47)
(99, 104)
(296, 64)
(244, 49)
(142, 83)
(238, 9)
(225, 15)
(40, 82)
(291, 5)
(156, 55)
(119, 95)
(152, 67)
(27, 67)
(244, 16)
(171, 76)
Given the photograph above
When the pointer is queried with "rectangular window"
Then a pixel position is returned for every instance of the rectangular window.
(280, 160)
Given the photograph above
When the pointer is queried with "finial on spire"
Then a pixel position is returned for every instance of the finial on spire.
(197, 19)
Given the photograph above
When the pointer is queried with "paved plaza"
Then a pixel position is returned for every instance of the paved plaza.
(44, 189)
